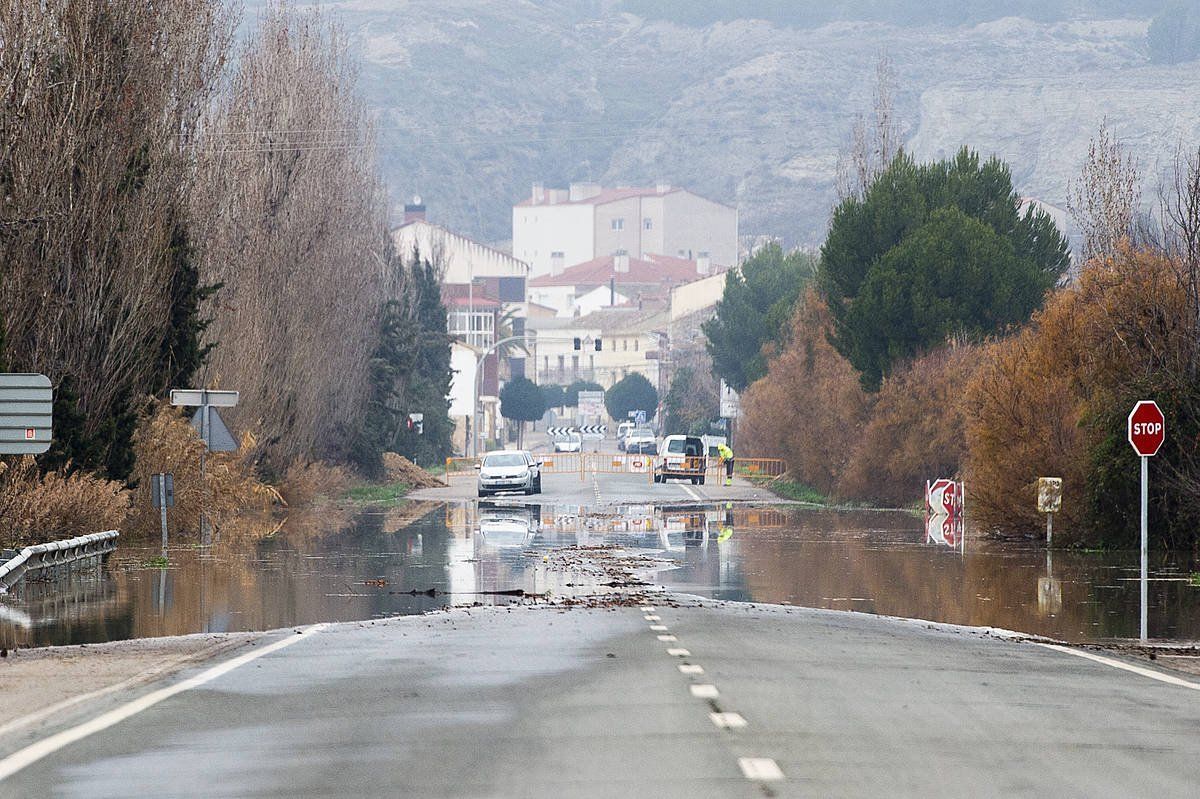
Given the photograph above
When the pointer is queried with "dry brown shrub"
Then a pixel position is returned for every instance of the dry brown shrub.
(809, 409)
(1046, 400)
(165, 442)
(38, 508)
(916, 429)
(304, 483)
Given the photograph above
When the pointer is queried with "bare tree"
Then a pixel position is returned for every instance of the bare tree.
(295, 232)
(872, 143)
(1179, 200)
(1106, 198)
(98, 102)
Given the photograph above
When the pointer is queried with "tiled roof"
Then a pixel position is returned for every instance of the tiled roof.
(654, 270)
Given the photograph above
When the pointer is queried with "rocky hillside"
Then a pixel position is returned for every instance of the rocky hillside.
(480, 98)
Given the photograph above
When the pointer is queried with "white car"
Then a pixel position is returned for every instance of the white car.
(570, 442)
(641, 442)
(623, 430)
(509, 470)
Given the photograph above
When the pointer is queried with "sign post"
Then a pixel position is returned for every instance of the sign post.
(1049, 503)
(212, 429)
(1147, 431)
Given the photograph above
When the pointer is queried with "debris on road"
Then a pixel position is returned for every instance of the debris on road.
(400, 469)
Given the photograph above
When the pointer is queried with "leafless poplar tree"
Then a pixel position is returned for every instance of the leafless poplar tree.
(98, 102)
(1179, 200)
(873, 143)
(1105, 200)
(293, 226)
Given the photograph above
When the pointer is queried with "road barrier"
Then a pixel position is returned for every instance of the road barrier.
(625, 463)
(54, 555)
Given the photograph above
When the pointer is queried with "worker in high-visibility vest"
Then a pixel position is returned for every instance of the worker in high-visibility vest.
(726, 458)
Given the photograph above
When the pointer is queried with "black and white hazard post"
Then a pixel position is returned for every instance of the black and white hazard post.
(213, 432)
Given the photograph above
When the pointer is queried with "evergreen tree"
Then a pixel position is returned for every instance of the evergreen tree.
(631, 393)
(932, 251)
(753, 312)
(521, 401)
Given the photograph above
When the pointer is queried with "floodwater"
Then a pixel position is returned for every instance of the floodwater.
(424, 556)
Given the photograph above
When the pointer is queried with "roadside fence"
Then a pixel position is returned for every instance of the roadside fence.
(586, 463)
(54, 555)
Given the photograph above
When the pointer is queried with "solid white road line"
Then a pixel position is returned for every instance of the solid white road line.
(48, 746)
(759, 768)
(688, 490)
(690, 668)
(678, 653)
(727, 721)
(704, 691)
(1116, 664)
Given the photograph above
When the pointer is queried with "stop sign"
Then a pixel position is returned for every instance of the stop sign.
(1147, 428)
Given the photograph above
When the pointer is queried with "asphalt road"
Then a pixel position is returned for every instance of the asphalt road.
(607, 489)
(591, 703)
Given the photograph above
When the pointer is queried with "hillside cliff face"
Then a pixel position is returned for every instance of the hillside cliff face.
(478, 99)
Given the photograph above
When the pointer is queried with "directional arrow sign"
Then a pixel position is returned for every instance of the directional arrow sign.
(219, 437)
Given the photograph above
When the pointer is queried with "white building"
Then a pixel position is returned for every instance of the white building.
(461, 258)
(586, 221)
(629, 337)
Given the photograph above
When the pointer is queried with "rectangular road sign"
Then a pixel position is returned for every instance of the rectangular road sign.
(26, 414)
(200, 396)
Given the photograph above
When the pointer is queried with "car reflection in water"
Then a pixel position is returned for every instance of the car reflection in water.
(508, 525)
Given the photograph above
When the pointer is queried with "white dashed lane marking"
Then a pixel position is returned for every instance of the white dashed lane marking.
(690, 668)
(678, 653)
(658, 628)
(652, 617)
(704, 691)
(759, 768)
(727, 721)
(648, 609)
(667, 638)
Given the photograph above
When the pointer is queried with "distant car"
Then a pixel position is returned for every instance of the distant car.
(509, 470)
(681, 458)
(641, 442)
(568, 442)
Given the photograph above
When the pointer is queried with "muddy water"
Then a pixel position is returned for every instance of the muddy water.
(429, 556)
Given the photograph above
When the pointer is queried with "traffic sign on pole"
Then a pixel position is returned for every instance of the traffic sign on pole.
(1147, 430)
(26, 414)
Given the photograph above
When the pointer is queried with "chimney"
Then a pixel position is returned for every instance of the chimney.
(536, 194)
(621, 261)
(557, 262)
(578, 192)
(662, 187)
(703, 264)
(414, 211)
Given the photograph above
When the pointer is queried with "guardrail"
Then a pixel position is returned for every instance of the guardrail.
(55, 554)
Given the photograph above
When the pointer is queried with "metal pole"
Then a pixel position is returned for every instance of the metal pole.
(1145, 539)
(162, 501)
(1049, 530)
(204, 434)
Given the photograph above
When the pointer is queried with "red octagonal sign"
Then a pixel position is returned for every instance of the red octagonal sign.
(1147, 428)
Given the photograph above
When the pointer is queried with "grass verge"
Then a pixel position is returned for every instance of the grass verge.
(386, 493)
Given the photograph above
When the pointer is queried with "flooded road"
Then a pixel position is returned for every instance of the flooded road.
(429, 555)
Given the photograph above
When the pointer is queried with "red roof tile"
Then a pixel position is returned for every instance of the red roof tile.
(655, 269)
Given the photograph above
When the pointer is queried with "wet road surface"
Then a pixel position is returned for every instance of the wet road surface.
(591, 703)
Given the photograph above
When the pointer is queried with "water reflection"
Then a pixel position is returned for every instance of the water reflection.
(426, 556)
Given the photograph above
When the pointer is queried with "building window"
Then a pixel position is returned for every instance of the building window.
(575, 366)
(618, 223)
(648, 223)
(625, 345)
(635, 345)
(561, 364)
(478, 329)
